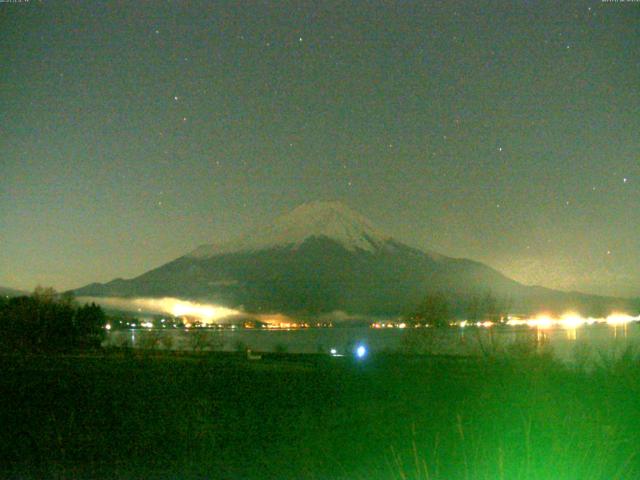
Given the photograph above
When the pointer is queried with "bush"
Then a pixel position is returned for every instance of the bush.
(200, 340)
(280, 348)
(150, 340)
(167, 341)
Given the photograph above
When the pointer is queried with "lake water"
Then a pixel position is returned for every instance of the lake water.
(591, 341)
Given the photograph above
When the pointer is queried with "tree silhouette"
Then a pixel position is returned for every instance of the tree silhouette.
(433, 310)
(89, 322)
(48, 322)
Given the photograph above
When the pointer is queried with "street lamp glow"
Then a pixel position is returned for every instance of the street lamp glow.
(361, 351)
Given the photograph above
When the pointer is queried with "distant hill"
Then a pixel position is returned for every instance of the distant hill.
(11, 292)
(324, 257)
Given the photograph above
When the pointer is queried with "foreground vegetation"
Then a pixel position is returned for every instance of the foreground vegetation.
(127, 414)
(49, 322)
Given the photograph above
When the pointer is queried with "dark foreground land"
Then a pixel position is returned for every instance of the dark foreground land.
(307, 417)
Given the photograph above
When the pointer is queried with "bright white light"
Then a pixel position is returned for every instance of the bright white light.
(620, 318)
(333, 351)
(541, 321)
(514, 322)
(361, 351)
(572, 320)
(108, 326)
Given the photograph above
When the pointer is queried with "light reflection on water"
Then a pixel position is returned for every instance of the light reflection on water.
(598, 339)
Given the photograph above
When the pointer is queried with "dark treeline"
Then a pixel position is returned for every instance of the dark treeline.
(439, 309)
(49, 322)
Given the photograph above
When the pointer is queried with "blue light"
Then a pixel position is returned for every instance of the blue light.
(361, 351)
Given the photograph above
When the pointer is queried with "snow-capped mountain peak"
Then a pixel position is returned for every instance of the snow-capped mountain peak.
(333, 220)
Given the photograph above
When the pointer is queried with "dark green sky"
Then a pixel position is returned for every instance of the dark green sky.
(507, 132)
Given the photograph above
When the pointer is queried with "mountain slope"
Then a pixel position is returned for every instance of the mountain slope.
(318, 219)
(323, 257)
(11, 292)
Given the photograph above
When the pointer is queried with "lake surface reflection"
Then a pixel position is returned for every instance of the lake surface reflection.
(588, 341)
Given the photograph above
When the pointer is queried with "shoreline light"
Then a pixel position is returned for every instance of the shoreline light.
(572, 320)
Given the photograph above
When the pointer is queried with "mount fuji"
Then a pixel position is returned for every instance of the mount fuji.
(324, 257)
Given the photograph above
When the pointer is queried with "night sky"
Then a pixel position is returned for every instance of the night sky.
(507, 132)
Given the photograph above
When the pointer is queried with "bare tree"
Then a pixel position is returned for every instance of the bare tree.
(433, 310)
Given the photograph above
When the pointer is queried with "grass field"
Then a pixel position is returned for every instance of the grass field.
(317, 417)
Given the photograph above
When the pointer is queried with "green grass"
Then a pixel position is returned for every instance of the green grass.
(297, 417)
